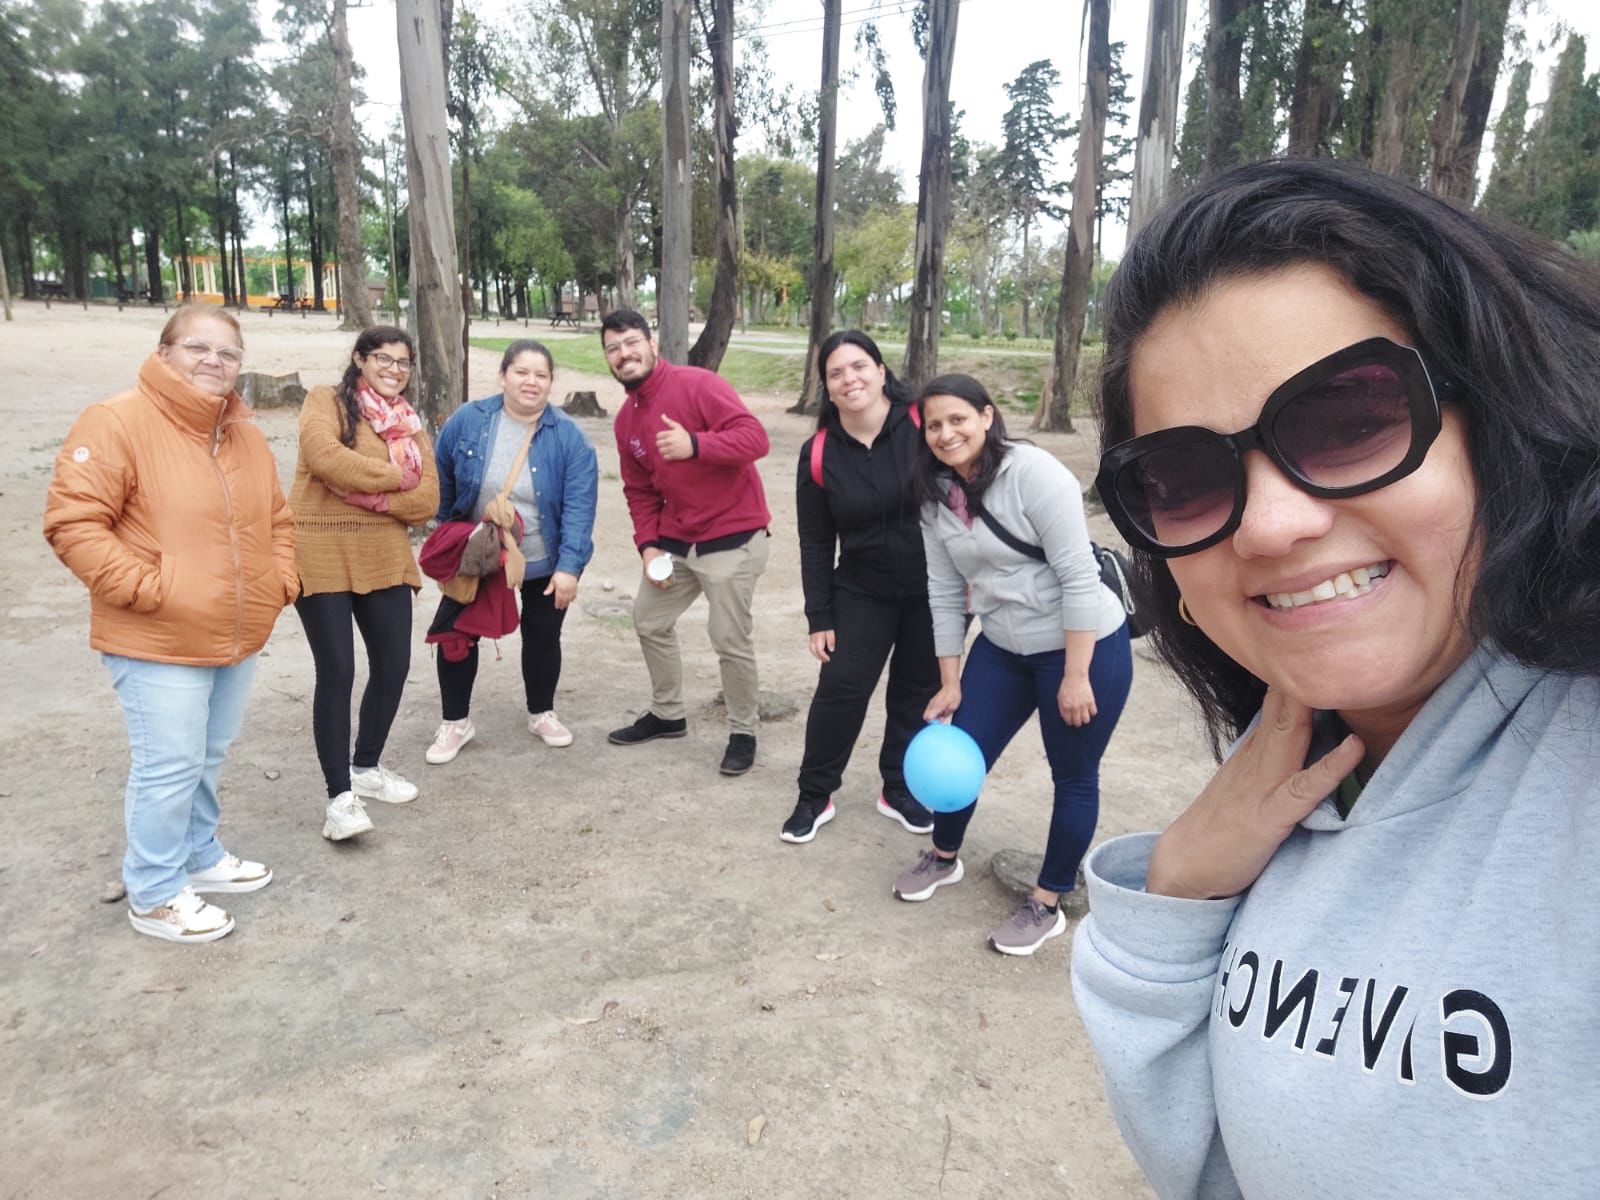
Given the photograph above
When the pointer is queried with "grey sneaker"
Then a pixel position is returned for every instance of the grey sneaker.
(1030, 927)
(929, 875)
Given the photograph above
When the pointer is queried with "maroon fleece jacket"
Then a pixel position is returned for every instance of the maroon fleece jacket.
(712, 495)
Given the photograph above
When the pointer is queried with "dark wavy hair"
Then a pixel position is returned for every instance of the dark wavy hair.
(1512, 320)
(527, 346)
(367, 341)
(893, 388)
(931, 475)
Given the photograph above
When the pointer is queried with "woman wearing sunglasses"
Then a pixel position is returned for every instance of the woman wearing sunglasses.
(1003, 525)
(165, 502)
(364, 476)
(1355, 444)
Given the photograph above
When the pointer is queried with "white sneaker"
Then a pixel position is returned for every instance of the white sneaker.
(448, 741)
(232, 874)
(347, 816)
(380, 783)
(184, 918)
(547, 728)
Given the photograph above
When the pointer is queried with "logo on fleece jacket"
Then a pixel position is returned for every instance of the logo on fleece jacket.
(636, 448)
(1363, 1016)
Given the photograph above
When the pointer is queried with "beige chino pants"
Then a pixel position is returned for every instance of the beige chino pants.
(727, 578)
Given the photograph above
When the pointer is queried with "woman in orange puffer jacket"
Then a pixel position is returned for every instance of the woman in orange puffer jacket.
(166, 503)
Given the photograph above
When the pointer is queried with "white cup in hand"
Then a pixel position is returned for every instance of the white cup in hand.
(659, 569)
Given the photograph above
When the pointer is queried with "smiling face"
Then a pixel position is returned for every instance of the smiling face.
(1346, 604)
(630, 354)
(386, 370)
(197, 353)
(955, 431)
(854, 381)
(526, 385)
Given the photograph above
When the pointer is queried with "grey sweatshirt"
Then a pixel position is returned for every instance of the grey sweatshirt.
(1406, 1003)
(1022, 605)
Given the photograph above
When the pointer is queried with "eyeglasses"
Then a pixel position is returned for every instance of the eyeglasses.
(231, 355)
(389, 362)
(1351, 423)
(631, 342)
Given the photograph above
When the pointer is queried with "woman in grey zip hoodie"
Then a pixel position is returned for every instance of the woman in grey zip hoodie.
(1354, 440)
(1004, 534)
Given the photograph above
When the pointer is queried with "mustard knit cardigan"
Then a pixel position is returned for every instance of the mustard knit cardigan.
(340, 547)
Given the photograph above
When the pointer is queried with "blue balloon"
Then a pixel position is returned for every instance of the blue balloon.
(944, 768)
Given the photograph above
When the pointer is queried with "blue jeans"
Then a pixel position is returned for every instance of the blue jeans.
(999, 692)
(180, 722)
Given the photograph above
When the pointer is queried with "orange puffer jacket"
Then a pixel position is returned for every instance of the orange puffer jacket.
(166, 503)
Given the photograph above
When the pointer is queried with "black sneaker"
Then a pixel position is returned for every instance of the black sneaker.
(646, 729)
(902, 806)
(808, 817)
(740, 755)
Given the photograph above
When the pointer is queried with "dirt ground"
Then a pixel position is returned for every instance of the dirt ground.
(560, 973)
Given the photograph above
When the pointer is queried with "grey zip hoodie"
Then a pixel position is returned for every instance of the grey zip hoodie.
(1022, 605)
(1405, 1003)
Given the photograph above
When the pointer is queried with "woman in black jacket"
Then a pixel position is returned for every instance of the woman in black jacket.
(854, 498)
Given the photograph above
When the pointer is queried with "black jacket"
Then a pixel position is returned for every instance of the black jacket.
(866, 512)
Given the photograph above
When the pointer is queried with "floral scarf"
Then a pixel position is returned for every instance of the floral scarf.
(397, 423)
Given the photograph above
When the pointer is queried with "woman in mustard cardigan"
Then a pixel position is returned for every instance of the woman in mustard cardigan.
(365, 473)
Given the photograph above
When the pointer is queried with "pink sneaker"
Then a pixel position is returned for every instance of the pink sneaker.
(448, 741)
(548, 728)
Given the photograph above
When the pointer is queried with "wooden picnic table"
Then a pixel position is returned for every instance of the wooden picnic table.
(563, 316)
(50, 289)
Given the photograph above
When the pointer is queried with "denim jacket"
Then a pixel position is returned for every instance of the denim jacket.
(566, 476)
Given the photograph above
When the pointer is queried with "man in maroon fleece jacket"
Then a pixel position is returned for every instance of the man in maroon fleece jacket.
(689, 447)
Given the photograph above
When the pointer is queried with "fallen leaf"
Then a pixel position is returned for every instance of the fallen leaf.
(605, 1009)
(983, 1021)
(163, 987)
(829, 905)
(349, 916)
(37, 950)
(984, 1083)
(766, 1006)
(830, 957)
(387, 1012)
(752, 1135)
(741, 981)
(272, 774)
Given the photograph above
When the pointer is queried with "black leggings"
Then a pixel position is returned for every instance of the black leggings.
(384, 618)
(868, 633)
(541, 657)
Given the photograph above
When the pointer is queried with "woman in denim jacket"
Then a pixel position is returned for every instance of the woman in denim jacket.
(554, 494)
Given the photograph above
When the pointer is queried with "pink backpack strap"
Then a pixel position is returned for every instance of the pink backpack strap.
(816, 456)
(915, 414)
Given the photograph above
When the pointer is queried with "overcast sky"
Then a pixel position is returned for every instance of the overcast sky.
(995, 39)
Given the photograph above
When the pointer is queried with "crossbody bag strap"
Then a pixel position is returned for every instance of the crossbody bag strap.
(522, 458)
(1009, 538)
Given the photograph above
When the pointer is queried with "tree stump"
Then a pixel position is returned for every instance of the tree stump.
(271, 391)
(582, 404)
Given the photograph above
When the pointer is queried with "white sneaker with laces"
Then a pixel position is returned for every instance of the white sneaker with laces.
(347, 816)
(185, 918)
(547, 728)
(448, 741)
(231, 874)
(380, 783)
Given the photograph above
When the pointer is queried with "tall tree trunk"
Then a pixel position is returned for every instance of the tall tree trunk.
(185, 271)
(1395, 106)
(712, 343)
(345, 151)
(1318, 74)
(677, 197)
(1456, 132)
(220, 213)
(466, 250)
(822, 274)
(933, 196)
(5, 284)
(288, 236)
(242, 290)
(1156, 139)
(1224, 113)
(435, 297)
(1055, 410)
(314, 233)
(152, 261)
(1027, 274)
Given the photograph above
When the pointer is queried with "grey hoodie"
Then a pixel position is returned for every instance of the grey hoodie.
(1406, 1003)
(1022, 605)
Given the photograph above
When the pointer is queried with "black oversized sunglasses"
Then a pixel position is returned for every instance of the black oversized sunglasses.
(1350, 423)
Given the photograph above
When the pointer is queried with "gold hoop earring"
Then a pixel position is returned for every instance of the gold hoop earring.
(1183, 611)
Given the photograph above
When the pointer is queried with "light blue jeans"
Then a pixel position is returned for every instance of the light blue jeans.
(180, 721)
